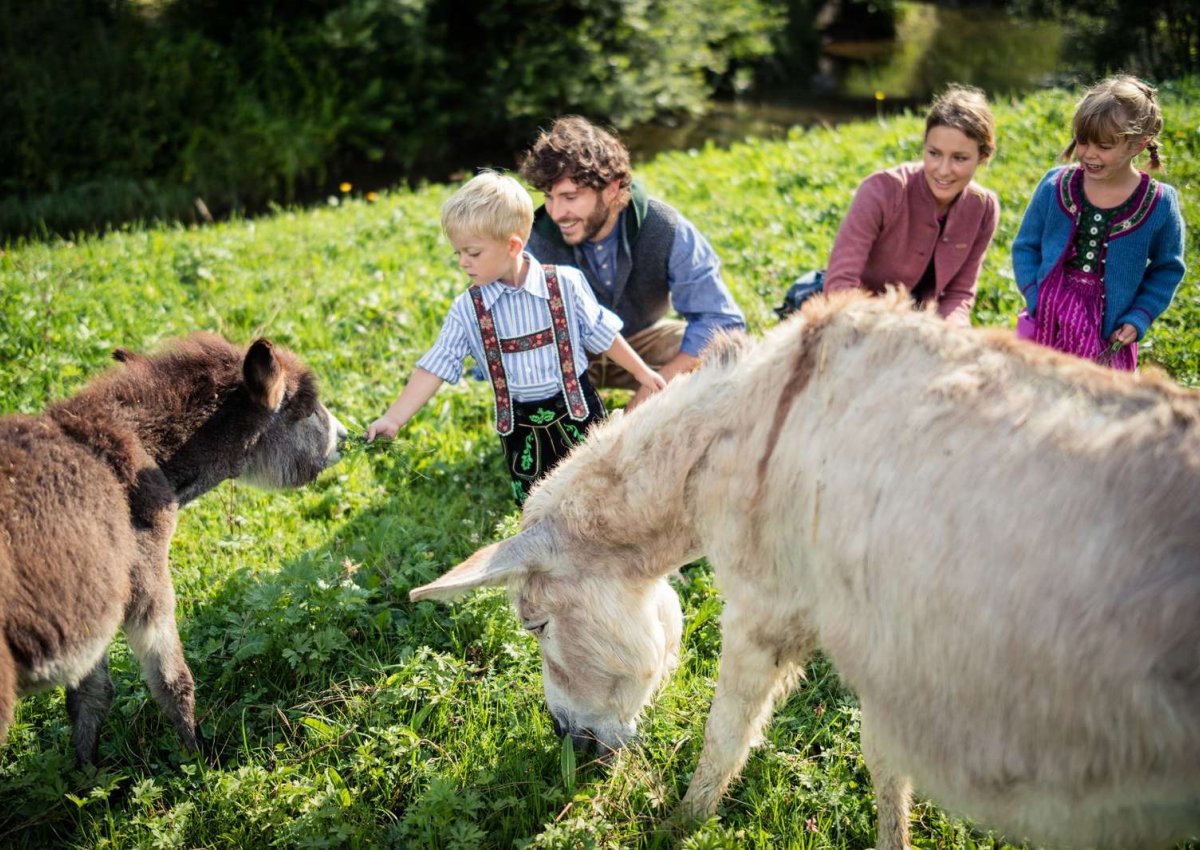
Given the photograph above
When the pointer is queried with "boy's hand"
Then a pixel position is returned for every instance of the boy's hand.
(653, 382)
(382, 427)
(1125, 334)
(650, 384)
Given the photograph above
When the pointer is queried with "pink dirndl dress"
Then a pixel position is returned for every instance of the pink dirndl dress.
(1070, 303)
(1069, 317)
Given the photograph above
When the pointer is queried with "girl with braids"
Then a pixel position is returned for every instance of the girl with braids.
(1100, 250)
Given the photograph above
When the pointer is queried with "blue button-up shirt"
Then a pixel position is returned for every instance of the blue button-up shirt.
(518, 311)
(698, 293)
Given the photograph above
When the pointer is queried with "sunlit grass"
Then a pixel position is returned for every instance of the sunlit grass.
(337, 713)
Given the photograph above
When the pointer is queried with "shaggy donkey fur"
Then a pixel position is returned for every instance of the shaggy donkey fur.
(997, 546)
(89, 493)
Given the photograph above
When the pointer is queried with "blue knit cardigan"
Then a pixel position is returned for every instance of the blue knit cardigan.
(1143, 257)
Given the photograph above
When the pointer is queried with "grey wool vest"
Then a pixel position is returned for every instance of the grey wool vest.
(640, 295)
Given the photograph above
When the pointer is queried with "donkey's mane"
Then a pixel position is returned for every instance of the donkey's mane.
(659, 442)
(662, 438)
(183, 370)
(166, 396)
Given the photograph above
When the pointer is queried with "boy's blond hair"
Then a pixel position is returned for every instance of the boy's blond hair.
(1118, 109)
(490, 205)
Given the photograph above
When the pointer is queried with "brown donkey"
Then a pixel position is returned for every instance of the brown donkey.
(89, 493)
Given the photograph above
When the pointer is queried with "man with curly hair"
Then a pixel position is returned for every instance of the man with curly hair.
(640, 256)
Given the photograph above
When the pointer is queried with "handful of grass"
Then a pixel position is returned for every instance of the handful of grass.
(358, 446)
(1105, 357)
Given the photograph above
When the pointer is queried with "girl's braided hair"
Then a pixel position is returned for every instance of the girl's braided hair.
(1118, 108)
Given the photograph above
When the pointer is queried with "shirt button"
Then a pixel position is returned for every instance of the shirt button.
(1098, 216)
(605, 265)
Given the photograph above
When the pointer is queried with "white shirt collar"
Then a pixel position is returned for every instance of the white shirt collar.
(534, 284)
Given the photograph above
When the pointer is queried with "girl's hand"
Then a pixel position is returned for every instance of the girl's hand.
(1126, 334)
(382, 427)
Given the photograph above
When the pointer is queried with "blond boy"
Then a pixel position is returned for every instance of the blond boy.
(530, 326)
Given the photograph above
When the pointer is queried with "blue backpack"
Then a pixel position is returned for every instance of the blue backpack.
(802, 288)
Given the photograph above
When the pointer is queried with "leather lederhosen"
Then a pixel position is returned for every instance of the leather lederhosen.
(537, 434)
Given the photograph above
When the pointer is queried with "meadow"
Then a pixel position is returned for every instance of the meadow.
(338, 714)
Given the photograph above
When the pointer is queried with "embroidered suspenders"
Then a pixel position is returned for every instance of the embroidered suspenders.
(556, 335)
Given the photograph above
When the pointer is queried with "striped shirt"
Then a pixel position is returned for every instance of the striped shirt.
(518, 311)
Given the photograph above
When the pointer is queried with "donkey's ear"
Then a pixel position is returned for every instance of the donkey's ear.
(264, 374)
(491, 565)
(124, 355)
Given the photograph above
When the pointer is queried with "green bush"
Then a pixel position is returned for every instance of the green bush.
(120, 110)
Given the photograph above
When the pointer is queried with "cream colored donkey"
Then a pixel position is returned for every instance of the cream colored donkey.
(997, 546)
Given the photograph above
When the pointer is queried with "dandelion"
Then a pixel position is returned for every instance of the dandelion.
(879, 104)
(345, 187)
(372, 197)
(879, 95)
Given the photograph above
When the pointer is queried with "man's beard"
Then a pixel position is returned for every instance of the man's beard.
(595, 222)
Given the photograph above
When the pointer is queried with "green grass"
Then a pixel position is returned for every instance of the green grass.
(339, 713)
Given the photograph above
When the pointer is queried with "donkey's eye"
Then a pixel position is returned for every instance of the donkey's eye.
(536, 628)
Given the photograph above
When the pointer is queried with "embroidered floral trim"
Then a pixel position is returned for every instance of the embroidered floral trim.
(572, 392)
(1067, 180)
(529, 342)
(495, 365)
(1134, 212)
(1150, 192)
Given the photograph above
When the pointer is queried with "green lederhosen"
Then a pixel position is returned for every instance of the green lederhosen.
(535, 435)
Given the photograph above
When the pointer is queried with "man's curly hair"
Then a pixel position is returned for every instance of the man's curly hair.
(576, 149)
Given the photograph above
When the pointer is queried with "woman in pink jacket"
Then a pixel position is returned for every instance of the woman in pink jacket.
(925, 225)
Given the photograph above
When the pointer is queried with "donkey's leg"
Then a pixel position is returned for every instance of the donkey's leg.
(8, 687)
(154, 637)
(752, 677)
(893, 791)
(88, 704)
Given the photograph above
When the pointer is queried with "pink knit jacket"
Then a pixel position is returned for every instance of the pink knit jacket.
(891, 231)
